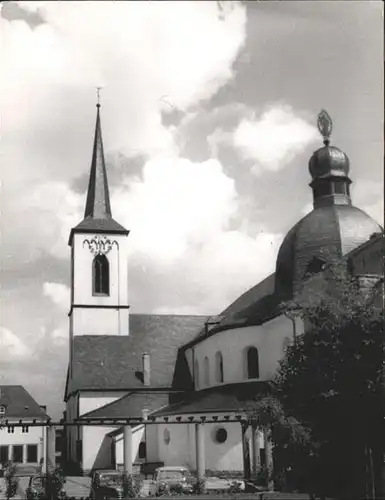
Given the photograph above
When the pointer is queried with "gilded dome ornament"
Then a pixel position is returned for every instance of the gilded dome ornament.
(325, 126)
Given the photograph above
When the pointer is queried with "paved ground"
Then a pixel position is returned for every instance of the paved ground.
(23, 483)
(77, 486)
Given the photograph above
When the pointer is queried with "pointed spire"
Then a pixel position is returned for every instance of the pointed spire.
(98, 198)
(97, 215)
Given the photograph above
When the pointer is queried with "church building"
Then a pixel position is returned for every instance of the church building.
(179, 371)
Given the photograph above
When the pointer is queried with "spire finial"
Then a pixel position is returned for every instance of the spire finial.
(325, 126)
(98, 89)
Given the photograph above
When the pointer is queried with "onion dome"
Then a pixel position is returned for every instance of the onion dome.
(328, 160)
(332, 229)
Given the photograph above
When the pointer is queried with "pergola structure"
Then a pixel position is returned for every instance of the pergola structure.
(245, 421)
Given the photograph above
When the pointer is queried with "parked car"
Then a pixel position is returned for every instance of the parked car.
(173, 478)
(36, 488)
(106, 484)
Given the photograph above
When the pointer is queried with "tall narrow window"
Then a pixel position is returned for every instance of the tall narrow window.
(32, 453)
(219, 367)
(142, 450)
(101, 275)
(4, 454)
(196, 374)
(252, 363)
(18, 453)
(207, 371)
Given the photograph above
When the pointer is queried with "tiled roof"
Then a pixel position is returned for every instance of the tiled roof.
(130, 405)
(231, 317)
(253, 295)
(98, 197)
(226, 398)
(90, 225)
(261, 311)
(97, 215)
(327, 232)
(19, 403)
(106, 362)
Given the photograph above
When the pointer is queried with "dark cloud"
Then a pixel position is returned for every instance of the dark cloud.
(14, 12)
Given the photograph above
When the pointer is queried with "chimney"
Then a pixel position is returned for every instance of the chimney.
(146, 369)
(145, 414)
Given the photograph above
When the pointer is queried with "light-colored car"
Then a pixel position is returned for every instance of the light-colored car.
(173, 478)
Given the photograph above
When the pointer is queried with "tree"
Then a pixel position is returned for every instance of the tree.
(53, 482)
(332, 380)
(285, 432)
(11, 482)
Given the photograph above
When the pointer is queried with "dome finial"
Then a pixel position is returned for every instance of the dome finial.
(325, 126)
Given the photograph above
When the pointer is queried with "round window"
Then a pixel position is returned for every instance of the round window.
(221, 435)
(166, 436)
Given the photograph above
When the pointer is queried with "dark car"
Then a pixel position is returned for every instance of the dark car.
(106, 484)
(173, 479)
(36, 488)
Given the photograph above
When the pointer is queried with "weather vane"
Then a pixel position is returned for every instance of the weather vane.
(98, 89)
(325, 126)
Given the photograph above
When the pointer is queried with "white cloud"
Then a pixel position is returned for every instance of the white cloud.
(369, 196)
(179, 214)
(274, 138)
(60, 336)
(58, 293)
(11, 346)
(177, 203)
(179, 217)
(139, 52)
(42, 215)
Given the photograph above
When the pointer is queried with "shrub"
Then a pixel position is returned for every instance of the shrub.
(198, 486)
(53, 482)
(11, 481)
(131, 487)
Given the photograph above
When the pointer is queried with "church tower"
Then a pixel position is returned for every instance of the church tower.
(99, 299)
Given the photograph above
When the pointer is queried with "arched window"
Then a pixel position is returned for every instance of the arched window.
(196, 374)
(207, 371)
(101, 275)
(142, 450)
(252, 363)
(219, 367)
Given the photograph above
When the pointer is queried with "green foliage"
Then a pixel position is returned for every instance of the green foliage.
(11, 481)
(131, 487)
(331, 380)
(199, 486)
(53, 482)
(268, 412)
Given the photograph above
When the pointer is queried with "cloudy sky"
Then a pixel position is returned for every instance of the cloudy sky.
(208, 116)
